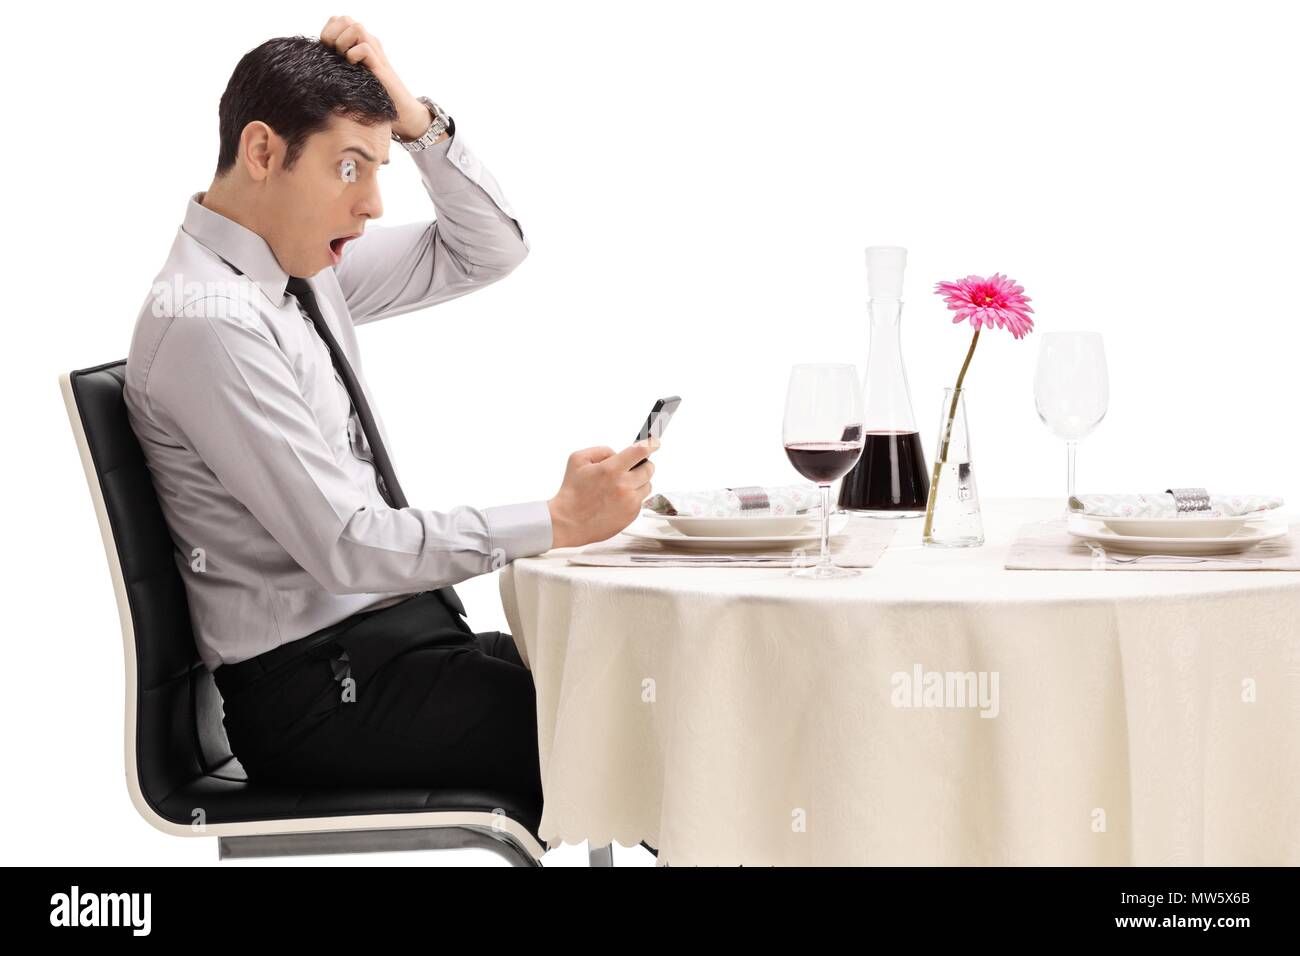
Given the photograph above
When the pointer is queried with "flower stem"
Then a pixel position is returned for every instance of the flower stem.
(825, 561)
(947, 436)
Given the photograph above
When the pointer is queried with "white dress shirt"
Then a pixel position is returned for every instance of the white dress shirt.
(260, 463)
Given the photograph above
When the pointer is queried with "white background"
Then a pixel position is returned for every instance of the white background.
(698, 182)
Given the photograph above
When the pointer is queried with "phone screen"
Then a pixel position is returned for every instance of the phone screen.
(657, 421)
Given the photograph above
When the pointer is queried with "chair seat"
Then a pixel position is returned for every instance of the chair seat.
(228, 796)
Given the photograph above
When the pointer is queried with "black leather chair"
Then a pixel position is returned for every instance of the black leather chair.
(180, 772)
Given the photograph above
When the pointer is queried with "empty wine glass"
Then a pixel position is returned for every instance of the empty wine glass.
(1071, 388)
(823, 435)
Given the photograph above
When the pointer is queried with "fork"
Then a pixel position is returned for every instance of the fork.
(707, 557)
(1180, 557)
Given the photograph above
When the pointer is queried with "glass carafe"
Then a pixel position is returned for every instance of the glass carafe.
(890, 480)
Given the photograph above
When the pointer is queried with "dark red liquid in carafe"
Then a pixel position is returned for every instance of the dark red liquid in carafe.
(890, 475)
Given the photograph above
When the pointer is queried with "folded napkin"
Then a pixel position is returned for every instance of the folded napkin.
(730, 502)
(1166, 505)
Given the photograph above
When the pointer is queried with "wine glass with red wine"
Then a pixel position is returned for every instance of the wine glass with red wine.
(823, 436)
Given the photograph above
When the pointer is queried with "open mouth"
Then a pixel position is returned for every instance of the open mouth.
(337, 244)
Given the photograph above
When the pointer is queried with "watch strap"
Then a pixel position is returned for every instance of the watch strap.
(440, 122)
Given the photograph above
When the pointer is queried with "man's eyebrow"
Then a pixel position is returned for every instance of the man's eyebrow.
(364, 155)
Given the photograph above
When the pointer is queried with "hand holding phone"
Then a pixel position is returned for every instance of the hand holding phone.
(595, 501)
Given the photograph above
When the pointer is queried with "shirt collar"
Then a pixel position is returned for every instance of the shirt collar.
(244, 250)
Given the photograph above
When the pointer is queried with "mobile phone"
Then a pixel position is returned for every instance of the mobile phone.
(657, 421)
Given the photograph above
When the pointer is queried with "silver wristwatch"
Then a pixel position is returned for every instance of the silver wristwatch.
(441, 123)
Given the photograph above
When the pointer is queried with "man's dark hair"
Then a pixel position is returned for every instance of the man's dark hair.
(295, 85)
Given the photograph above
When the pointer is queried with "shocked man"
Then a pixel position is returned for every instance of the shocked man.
(322, 600)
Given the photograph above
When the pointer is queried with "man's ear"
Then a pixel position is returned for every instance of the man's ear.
(259, 147)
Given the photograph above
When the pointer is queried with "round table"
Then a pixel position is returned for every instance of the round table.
(935, 709)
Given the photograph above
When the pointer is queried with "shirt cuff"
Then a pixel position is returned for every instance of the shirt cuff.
(436, 151)
(518, 531)
(447, 165)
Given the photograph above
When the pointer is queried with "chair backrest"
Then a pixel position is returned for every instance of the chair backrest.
(174, 730)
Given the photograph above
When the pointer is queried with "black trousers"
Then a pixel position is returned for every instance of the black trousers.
(407, 696)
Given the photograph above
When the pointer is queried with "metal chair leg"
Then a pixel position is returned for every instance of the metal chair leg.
(376, 841)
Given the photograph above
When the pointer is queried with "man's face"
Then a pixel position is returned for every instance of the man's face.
(327, 197)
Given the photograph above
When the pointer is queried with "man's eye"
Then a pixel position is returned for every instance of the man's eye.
(348, 170)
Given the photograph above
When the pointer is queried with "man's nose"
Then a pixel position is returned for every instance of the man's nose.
(371, 206)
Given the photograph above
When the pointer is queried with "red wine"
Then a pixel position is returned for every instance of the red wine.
(890, 475)
(823, 461)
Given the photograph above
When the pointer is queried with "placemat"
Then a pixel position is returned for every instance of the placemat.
(1046, 546)
(860, 545)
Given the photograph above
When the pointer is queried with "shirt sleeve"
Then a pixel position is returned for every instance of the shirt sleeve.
(220, 382)
(473, 241)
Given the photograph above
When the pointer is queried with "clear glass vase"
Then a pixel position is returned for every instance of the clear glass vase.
(952, 515)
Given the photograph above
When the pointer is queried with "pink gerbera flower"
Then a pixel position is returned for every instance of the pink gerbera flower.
(995, 301)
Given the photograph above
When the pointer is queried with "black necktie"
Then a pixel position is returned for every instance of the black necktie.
(388, 486)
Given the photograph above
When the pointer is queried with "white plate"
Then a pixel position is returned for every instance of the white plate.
(1243, 539)
(739, 526)
(656, 528)
(1189, 526)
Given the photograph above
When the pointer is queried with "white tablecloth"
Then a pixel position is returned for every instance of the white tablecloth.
(739, 716)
